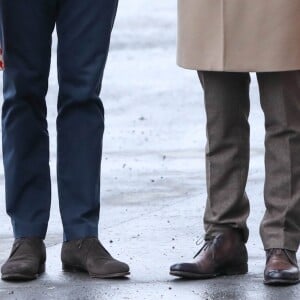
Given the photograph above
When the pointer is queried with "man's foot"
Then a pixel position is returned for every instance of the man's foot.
(88, 255)
(281, 267)
(224, 254)
(26, 261)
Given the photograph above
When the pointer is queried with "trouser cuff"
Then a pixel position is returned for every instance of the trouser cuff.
(77, 232)
(214, 230)
(23, 229)
(289, 242)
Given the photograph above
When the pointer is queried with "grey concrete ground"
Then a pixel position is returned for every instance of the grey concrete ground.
(153, 188)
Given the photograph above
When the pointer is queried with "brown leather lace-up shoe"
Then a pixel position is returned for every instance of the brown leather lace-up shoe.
(26, 261)
(224, 254)
(281, 267)
(88, 255)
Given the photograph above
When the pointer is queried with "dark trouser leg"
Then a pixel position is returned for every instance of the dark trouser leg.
(280, 99)
(84, 29)
(226, 98)
(26, 28)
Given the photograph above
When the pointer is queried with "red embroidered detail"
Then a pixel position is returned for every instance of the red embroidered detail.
(1, 61)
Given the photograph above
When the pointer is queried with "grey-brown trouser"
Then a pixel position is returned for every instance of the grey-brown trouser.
(227, 154)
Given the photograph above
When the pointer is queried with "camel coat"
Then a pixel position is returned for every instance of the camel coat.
(239, 35)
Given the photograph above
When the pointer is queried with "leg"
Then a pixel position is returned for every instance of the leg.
(280, 99)
(82, 51)
(80, 121)
(226, 97)
(227, 161)
(26, 28)
(280, 227)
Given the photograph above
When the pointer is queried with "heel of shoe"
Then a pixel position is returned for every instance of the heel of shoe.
(68, 268)
(237, 270)
(42, 268)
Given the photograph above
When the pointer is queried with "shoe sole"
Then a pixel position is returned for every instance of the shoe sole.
(110, 276)
(189, 275)
(75, 269)
(240, 270)
(280, 282)
(23, 277)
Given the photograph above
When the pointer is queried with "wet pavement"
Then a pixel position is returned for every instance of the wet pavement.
(153, 179)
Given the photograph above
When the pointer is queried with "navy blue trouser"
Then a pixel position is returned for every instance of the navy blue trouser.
(83, 29)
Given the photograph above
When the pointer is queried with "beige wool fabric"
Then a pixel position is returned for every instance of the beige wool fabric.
(239, 35)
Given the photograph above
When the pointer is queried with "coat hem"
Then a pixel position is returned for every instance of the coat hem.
(240, 69)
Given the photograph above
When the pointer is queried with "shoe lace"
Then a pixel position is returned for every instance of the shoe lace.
(280, 251)
(208, 242)
(273, 251)
(205, 246)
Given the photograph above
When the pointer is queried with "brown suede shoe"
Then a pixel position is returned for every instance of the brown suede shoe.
(224, 254)
(26, 261)
(281, 267)
(88, 255)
